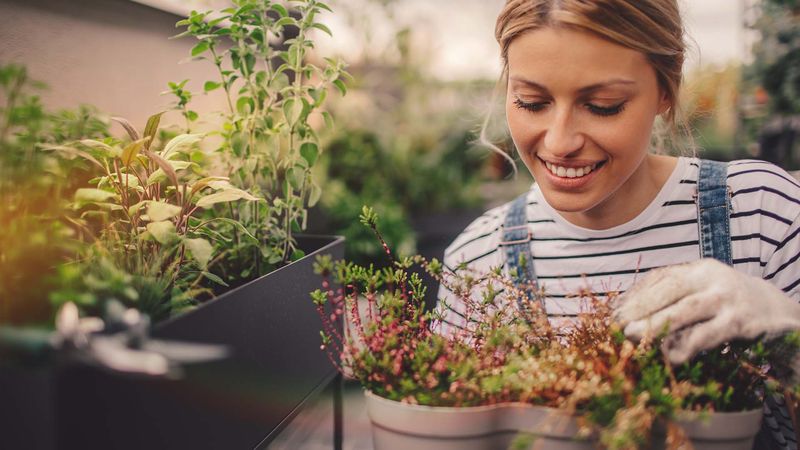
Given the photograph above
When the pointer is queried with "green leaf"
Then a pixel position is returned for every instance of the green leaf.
(200, 48)
(284, 21)
(86, 195)
(163, 232)
(203, 182)
(227, 195)
(250, 62)
(102, 146)
(160, 211)
(292, 111)
(200, 249)
(314, 195)
(180, 143)
(324, 28)
(340, 85)
(135, 208)
(238, 225)
(309, 151)
(191, 115)
(324, 6)
(151, 129)
(131, 151)
(297, 254)
(328, 119)
(214, 278)
(125, 179)
(159, 175)
(211, 85)
(280, 9)
(243, 103)
(165, 166)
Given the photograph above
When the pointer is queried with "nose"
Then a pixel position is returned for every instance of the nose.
(563, 135)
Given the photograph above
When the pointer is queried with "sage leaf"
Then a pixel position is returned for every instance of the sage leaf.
(314, 195)
(151, 129)
(224, 196)
(200, 250)
(134, 135)
(87, 195)
(180, 143)
(160, 211)
(163, 232)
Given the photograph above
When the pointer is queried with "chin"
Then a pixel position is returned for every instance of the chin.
(568, 203)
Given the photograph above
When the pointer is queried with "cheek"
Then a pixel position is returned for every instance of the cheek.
(523, 128)
(626, 137)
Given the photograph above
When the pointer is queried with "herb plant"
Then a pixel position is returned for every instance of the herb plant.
(268, 144)
(143, 219)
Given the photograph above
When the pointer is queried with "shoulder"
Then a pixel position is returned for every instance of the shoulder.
(480, 239)
(746, 173)
(762, 186)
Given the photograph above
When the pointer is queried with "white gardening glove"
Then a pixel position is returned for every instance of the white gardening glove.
(704, 303)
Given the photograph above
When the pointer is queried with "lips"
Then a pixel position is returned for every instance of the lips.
(571, 171)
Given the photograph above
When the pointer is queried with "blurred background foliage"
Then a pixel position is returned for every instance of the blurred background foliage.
(34, 186)
(771, 104)
(404, 142)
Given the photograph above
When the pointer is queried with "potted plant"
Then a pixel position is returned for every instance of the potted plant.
(245, 227)
(510, 377)
(172, 225)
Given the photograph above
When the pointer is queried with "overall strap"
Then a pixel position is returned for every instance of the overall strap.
(516, 245)
(713, 217)
(713, 211)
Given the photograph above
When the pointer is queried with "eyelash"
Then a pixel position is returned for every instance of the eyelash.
(594, 109)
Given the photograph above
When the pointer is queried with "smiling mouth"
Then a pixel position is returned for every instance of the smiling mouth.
(571, 172)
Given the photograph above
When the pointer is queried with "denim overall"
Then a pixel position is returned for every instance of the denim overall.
(713, 214)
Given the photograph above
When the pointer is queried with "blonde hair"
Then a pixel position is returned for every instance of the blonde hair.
(652, 27)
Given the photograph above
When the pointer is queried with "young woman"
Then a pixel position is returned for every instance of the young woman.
(585, 83)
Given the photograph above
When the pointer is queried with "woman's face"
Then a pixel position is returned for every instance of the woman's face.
(581, 110)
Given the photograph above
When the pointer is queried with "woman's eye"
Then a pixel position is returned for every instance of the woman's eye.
(605, 110)
(530, 106)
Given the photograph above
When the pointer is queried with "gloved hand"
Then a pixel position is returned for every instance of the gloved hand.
(704, 303)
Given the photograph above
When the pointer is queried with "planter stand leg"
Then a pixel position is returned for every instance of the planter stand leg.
(338, 383)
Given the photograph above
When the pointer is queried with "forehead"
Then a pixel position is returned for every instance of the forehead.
(568, 58)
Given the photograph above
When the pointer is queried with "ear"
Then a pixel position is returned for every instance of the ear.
(665, 104)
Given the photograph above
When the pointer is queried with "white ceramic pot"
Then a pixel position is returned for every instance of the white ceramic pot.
(402, 426)
(717, 431)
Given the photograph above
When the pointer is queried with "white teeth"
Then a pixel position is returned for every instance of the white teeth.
(569, 172)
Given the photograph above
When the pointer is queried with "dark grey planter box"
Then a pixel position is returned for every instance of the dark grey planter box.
(272, 328)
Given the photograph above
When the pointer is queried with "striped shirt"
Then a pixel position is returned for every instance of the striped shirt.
(568, 259)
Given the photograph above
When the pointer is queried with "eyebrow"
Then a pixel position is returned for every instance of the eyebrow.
(585, 89)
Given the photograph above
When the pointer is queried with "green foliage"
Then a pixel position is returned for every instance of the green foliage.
(413, 176)
(143, 217)
(269, 145)
(34, 185)
(777, 55)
